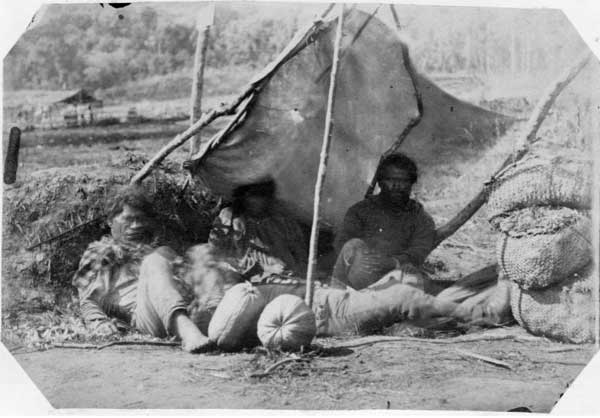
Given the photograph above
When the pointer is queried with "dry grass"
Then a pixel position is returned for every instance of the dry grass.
(54, 201)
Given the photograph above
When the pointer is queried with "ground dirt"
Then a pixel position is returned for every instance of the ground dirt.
(387, 375)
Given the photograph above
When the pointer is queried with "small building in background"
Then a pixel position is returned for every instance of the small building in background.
(46, 109)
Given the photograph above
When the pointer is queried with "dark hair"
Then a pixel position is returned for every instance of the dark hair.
(400, 161)
(264, 188)
(134, 196)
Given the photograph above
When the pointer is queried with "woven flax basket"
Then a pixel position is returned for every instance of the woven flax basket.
(541, 260)
(564, 312)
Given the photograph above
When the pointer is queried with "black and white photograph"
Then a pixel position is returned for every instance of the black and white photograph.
(300, 206)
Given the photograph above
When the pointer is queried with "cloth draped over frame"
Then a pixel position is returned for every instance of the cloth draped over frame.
(279, 133)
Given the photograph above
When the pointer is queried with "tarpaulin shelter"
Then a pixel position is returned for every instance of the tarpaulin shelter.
(279, 130)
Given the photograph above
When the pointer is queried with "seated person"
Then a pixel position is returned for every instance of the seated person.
(391, 234)
(385, 232)
(122, 278)
(258, 234)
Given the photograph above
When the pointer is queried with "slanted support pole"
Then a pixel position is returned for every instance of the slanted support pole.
(533, 125)
(415, 120)
(203, 26)
(297, 44)
(314, 232)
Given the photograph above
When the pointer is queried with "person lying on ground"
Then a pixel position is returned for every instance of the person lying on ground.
(258, 234)
(125, 280)
(385, 232)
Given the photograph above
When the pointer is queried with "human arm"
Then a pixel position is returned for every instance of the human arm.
(420, 245)
(91, 280)
(352, 227)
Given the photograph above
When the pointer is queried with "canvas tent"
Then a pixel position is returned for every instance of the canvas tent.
(279, 133)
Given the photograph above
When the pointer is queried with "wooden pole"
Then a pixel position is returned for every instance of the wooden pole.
(296, 45)
(12, 155)
(314, 232)
(415, 120)
(533, 125)
(180, 139)
(198, 81)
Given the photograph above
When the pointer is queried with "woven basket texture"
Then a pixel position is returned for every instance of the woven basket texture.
(537, 220)
(563, 312)
(556, 182)
(539, 261)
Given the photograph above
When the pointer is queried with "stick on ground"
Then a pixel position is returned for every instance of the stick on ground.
(366, 341)
(490, 360)
(112, 343)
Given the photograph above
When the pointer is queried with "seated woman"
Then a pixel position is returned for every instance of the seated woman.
(258, 235)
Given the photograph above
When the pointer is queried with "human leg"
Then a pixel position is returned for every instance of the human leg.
(483, 297)
(161, 308)
(341, 312)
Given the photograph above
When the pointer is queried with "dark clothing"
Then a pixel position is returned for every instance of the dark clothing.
(358, 266)
(377, 237)
(406, 235)
(273, 243)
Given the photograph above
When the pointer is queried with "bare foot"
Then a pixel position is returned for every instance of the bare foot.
(192, 340)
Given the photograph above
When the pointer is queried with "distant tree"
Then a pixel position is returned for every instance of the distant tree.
(85, 45)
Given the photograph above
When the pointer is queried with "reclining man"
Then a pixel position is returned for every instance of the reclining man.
(392, 233)
(256, 239)
(124, 280)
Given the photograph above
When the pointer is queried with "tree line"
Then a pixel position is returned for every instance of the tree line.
(95, 48)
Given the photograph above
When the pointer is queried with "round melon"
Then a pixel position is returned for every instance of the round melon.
(233, 325)
(286, 323)
(563, 312)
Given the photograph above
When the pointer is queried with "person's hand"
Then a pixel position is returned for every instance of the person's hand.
(408, 274)
(104, 328)
(276, 268)
(407, 268)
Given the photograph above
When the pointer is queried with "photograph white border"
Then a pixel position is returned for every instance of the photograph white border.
(18, 394)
